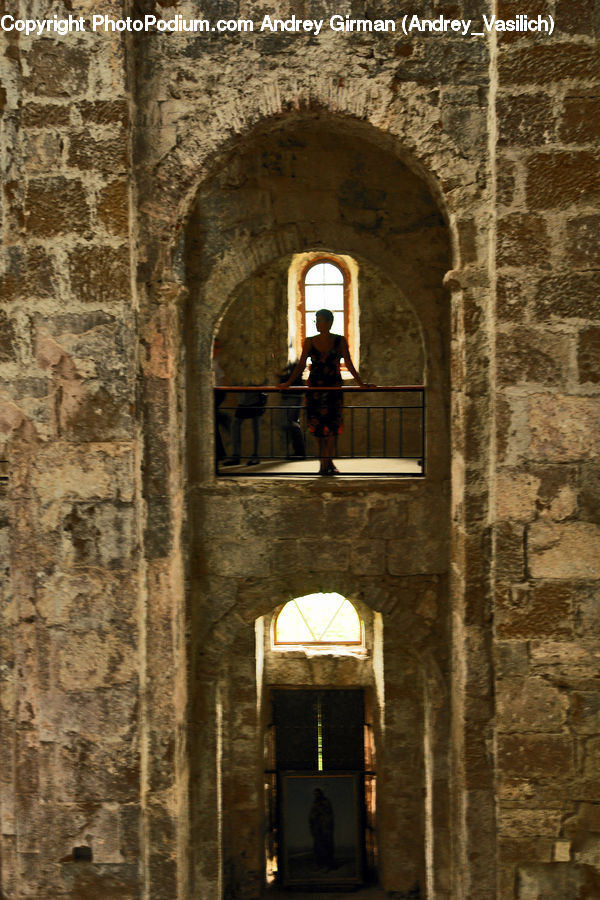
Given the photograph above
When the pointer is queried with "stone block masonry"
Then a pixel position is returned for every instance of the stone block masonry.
(155, 186)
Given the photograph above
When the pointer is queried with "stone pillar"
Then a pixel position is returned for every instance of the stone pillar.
(68, 368)
(546, 523)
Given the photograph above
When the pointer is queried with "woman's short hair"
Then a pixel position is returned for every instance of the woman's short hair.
(325, 314)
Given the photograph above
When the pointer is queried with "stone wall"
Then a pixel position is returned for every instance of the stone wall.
(71, 673)
(267, 545)
(151, 183)
(547, 542)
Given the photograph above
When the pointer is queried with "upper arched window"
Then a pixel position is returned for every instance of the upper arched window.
(323, 281)
(325, 288)
(319, 619)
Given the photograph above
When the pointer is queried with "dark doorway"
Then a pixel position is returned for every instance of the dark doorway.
(319, 776)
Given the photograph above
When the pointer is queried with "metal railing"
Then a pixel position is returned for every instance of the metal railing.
(262, 431)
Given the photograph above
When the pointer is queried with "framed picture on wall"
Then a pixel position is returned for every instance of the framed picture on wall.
(321, 830)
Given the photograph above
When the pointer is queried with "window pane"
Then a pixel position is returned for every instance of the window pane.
(318, 618)
(343, 623)
(324, 273)
(324, 296)
(331, 274)
(314, 274)
(315, 297)
(338, 323)
(291, 627)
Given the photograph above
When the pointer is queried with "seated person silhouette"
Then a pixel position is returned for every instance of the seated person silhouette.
(250, 407)
(289, 423)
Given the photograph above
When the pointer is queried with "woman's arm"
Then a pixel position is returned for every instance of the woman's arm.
(300, 366)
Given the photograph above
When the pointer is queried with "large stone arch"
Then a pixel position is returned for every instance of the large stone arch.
(168, 189)
(183, 502)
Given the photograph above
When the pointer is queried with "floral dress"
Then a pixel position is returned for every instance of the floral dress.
(324, 408)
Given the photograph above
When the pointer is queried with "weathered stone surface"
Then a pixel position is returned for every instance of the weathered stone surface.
(97, 534)
(45, 58)
(510, 550)
(523, 241)
(547, 63)
(525, 119)
(556, 880)
(28, 272)
(525, 355)
(515, 849)
(100, 275)
(556, 180)
(580, 117)
(8, 339)
(96, 415)
(584, 241)
(42, 151)
(588, 355)
(585, 713)
(530, 822)
(530, 705)
(405, 558)
(564, 428)
(46, 218)
(84, 600)
(104, 112)
(539, 609)
(368, 557)
(113, 207)
(84, 879)
(248, 558)
(569, 295)
(87, 472)
(535, 755)
(576, 17)
(569, 550)
(511, 659)
(107, 156)
(565, 658)
(591, 760)
(506, 182)
(45, 115)
(590, 491)
(516, 494)
(311, 556)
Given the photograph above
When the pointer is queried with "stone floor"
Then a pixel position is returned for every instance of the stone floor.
(358, 466)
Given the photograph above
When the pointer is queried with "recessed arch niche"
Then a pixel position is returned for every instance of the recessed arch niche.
(295, 184)
(310, 184)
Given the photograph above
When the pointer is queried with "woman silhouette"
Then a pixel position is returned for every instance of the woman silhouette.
(324, 408)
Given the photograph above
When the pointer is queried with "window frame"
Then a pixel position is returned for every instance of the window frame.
(310, 264)
(298, 645)
(300, 264)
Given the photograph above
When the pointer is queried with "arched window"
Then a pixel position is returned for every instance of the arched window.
(323, 281)
(325, 288)
(321, 620)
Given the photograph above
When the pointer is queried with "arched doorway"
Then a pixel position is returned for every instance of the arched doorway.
(323, 727)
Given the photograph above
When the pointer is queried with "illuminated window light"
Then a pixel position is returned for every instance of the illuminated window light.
(320, 620)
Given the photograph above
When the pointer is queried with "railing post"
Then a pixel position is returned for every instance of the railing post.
(385, 432)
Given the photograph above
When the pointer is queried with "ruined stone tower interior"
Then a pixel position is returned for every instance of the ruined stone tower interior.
(163, 734)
